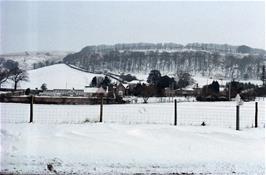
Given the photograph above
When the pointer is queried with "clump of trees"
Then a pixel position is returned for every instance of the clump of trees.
(157, 84)
(154, 77)
(99, 81)
(9, 70)
(44, 63)
(166, 81)
(44, 87)
(237, 87)
(127, 77)
(184, 79)
(143, 90)
(212, 89)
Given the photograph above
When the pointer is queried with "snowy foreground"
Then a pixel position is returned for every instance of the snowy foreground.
(220, 114)
(108, 148)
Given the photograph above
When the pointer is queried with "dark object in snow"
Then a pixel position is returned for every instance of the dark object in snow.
(51, 168)
(203, 124)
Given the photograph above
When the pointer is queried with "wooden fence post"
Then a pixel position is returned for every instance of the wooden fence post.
(175, 122)
(237, 117)
(256, 114)
(31, 108)
(101, 109)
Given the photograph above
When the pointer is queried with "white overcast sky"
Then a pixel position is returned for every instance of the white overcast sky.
(69, 26)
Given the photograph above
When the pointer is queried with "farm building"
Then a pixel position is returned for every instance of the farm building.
(63, 92)
(93, 91)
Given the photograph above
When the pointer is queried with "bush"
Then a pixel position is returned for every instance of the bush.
(27, 92)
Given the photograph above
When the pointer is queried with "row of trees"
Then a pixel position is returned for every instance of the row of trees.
(182, 80)
(204, 63)
(44, 63)
(224, 48)
(154, 79)
(9, 70)
(247, 91)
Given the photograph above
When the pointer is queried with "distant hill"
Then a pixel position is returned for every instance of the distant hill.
(33, 60)
(221, 48)
(203, 59)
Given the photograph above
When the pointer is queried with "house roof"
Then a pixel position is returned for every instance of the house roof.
(136, 81)
(125, 85)
(90, 90)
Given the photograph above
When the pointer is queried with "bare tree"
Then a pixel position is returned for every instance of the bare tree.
(18, 75)
(4, 75)
(7, 69)
(147, 92)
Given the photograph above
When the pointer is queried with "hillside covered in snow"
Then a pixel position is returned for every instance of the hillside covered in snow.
(58, 76)
(33, 60)
(210, 60)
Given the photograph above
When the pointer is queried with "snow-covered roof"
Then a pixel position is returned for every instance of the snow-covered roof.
(90, 90)
(125, 85)
(135, 81)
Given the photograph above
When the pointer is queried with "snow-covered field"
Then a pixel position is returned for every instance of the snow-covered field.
(134, 138)
(58, 76)
(221, 114)
(61, 76)
(101, 148)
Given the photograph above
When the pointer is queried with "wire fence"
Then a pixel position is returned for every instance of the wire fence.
(188, 113)
(219, 114)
